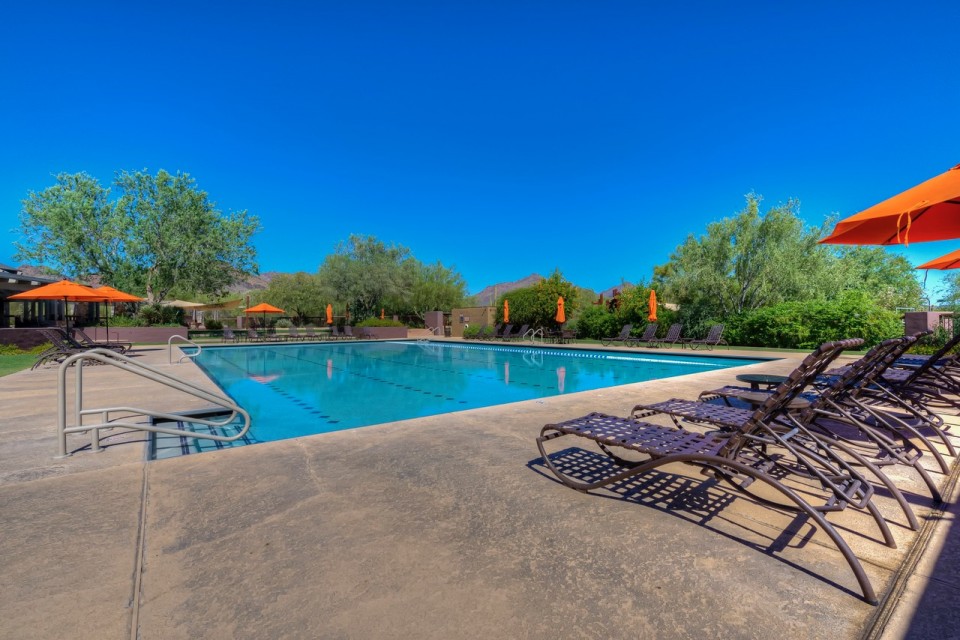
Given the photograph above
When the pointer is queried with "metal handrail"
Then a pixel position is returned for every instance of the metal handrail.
(531, 335)
(185, 355)
(112, 358)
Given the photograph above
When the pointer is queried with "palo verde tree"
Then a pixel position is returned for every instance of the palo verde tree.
(299, 294)
(161, 233)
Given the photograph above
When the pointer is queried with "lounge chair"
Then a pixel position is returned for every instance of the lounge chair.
(254, 336)
(229, 335)
(348, 333)
(86, 341)
(516, 335)
(311, 334)
(649, 333)
(505, 333)
(622, 337)
(872, 437)
(672, 337)
(294, 334)
(808, 477)
(712, 339)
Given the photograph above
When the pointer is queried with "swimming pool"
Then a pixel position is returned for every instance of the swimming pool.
(293, 390)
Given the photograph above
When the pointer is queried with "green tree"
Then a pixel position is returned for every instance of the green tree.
(299, 294)
(890, 280)
(434, 287)
(537, 305)
(364, 272)
(161, 233)
(178, 237)
(73, 228)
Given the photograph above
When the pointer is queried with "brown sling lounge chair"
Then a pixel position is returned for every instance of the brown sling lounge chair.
(739, 458)
(672, 337)
(709, 341)
(622, 337)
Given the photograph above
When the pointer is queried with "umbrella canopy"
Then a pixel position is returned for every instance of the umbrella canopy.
(561, 314)
(506, 311)
(329, 314)
(63, 290)
(111, 295)
(115, 295)
(653, 306)
(928, 211)
(264, 308)
(949, 261)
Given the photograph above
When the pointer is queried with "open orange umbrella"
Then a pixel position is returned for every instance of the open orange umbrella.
(63, 290)
(111, 296)
(652, 317)
(329, 314)
(264, 308)
(949, 261)
(506, 311)
(928, 211)
(561, 314)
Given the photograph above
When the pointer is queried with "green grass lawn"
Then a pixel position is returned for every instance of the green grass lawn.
(13, 363)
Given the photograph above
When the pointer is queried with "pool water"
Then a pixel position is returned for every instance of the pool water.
(303, 389)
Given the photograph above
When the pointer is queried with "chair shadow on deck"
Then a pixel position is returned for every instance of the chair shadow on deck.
(695, 500)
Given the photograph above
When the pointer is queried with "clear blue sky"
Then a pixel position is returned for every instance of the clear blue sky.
(502, 138)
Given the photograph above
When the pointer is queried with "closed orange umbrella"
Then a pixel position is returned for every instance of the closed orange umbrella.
(506, 311)
(949, 261)
(63, 290)
(329, 314)
(381, 313)
(652, 317)
(561, 314)
(928, 211)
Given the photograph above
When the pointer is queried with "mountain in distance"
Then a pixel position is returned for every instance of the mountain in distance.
(488, 295)
(253, 282)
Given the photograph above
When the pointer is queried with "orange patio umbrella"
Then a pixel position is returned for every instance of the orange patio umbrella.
(381, 313)
(111, 296)
(63, 290)
(561, 314)
(928, 211)
(329, 314)
(506, 311)
(949, 261)
(652, 317)
(264, 308)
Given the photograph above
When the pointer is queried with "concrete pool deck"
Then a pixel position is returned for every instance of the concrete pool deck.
(439, 527)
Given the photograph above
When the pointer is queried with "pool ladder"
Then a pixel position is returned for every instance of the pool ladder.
(113, 359)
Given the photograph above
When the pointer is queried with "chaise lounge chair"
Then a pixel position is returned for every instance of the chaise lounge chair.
(712, 339)
(756, 458)
(672, 337)
(623, 337)
(86, 341)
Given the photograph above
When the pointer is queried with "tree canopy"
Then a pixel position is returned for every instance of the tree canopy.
(162, 233)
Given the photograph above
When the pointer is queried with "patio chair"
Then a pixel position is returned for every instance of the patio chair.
(310, 333)
(348, 333)
(872, 437)
(516, 335)
(622, 337)
(672, 337)
(506, 333)
(649, 333)
(709, 341)
(802, 474)
(229, 335)
(294, 334)
(335, 333)
(254, 336)
(86, 341)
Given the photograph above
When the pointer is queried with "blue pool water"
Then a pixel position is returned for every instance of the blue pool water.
(296, 390)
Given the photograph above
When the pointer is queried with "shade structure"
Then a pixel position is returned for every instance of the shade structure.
(264, 308)
(111, 296)
(561, 316)
(65, 290)
(949, 261)
(506, 311)
(329, 314)
(652, 316)
(926, 212)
